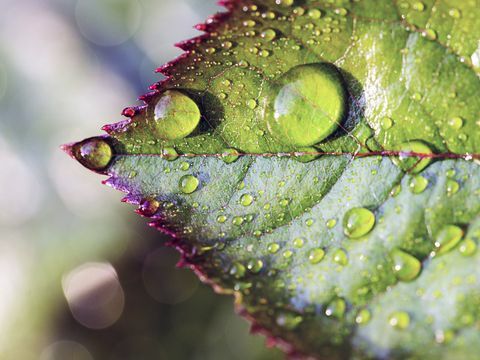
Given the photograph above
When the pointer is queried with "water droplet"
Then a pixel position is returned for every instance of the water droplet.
(363, 317)
(396, 190)
(237, 220)
(252, 104)
(255, 266)
(340, 257)
(418, 184)
(418, 6)
(386, 123)
(452, 187)
(229, 156)
(331, 223)
(314, 14)
(184, 166)
(309, 222)
(399, 320)
(284, 202)
(447, 238)
(95, 153)
(298, 243)
(246, 200)
(189, 184)
(287, 254)
(358, 222)
(405, 266)
(221, 219)
(269, 34)
(341, 11)
(273, 248)
(316, 255)
(148, 207)
(407, 159)
(289, 321)
(176, 115)
(456, 122)
(468, 247)
(455, 13)
(336, 308)
(429, 34)
(309, 105)
(237, 270)
(169, 154)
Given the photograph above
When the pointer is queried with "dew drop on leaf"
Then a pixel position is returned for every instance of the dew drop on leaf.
(246, 200)
(175, 115)
(399, 320)
(405, 266)
(411, 163)
(316, 255)
(95, 153)
(468, 247)
(452, 187)
(169, 154)
(447, 238)
(308, 106)
(358, 222)
(363, 317)
(340, 257)
(418, 184)
(336, 308)
(188, 184)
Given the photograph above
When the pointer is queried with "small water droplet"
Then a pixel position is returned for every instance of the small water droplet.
(358, 222)
(336, 308)
(298, 243)
(452, 187)
(221, 219)
(252, 104)
(188, 184)
(237, 270)
(314, 14)
(363, 317)
(148, 207)
(447, 238)
(268, 34)
(399, 320)
(340, 257)
(238, 220)
(456, 122)
(429, 34)
(468, 247)
(246, 200)
(316, 255)
(418, 6)
(405, 266)
(184, 166)
(418, 184)
(169, 154)
(289, 321)
(273, 248)
(408, 161)
(229, 156)
(331, 223)
(386, 123)
(455, 13)
(255, 266)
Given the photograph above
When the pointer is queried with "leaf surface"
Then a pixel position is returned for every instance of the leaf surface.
(319, 159)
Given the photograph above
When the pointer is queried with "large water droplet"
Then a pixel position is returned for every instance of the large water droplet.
(309, 104)
(358, 222)
(447, 238)
(405, 266)
(95, 153)
(188, 184)
(468, 247)
(340, 257)
(175, 115)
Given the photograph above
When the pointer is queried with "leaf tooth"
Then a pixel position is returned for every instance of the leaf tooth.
(148, 96)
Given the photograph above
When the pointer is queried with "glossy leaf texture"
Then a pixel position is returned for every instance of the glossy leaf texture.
(319, 160)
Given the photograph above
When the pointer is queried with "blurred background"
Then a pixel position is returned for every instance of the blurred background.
(81, 276)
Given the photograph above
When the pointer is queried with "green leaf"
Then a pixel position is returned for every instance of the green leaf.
(319, 160)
